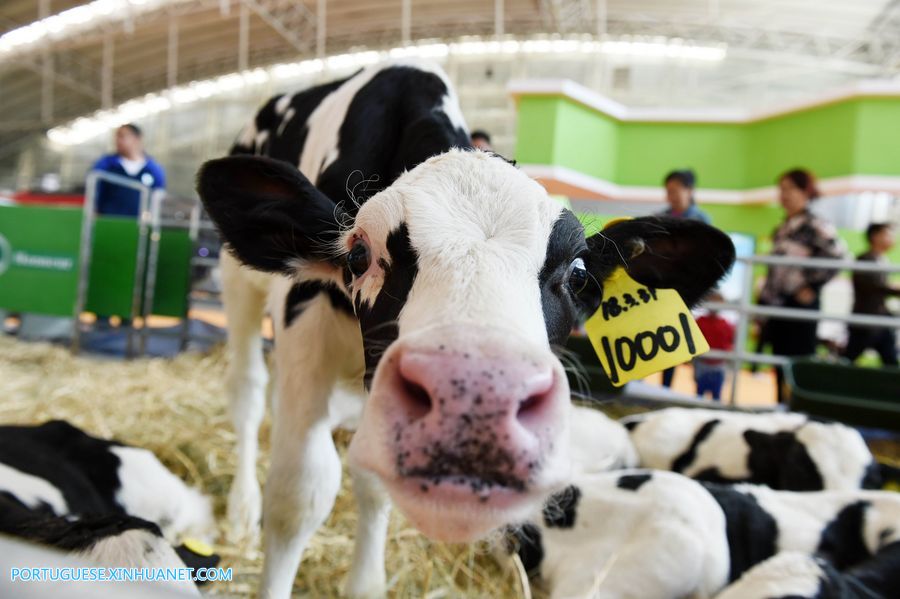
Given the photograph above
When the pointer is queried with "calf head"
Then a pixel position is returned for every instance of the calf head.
(464, 275)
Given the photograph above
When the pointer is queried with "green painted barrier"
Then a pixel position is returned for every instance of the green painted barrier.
(39, 249)
(113, 265)
(39, 257)
(173, 274)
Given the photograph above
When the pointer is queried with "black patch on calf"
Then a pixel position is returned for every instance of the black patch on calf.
(562, 508)
(632, 482)
(842, 541)
(630, 425)
(780, 461)
(40, 527)
(880, 574)
(872, 478)
(525, 540)
(269, 213)
(560, 306)
(196, 560)
(394, 123)
(752, 532)
(82, 467)
(301, 293)
(288, 145)
(690, 454)
(378, 321)
(663, 252)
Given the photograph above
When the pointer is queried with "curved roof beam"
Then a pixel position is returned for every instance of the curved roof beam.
(75, 21)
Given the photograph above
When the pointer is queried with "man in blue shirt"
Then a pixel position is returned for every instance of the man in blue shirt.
(128, 161)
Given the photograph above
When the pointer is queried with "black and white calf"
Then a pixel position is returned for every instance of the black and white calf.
(599, 443)
(113, 540)
(655, 534)
(61, 470)
(107, 502)
(781, 450)
(801, 576)
(435, 303)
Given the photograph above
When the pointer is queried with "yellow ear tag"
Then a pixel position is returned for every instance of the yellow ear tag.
(198, 547)
(638, 330)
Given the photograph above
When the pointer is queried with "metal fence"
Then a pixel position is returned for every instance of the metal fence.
(747, 310)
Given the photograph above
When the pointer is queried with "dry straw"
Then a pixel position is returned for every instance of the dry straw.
(176, 408)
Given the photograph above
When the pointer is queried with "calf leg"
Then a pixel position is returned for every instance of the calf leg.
(305, 474)
(245, 384)
(367, 577)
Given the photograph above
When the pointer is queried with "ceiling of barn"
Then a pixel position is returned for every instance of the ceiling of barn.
(133, 47)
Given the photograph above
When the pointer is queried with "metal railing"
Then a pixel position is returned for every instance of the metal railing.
(746, 310)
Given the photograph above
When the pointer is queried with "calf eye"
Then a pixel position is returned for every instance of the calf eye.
(358, 259)
(578, 276)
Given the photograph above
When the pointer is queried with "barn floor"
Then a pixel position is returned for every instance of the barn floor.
(176, 408)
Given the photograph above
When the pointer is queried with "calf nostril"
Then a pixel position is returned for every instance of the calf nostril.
(418, 399)
(528, 407)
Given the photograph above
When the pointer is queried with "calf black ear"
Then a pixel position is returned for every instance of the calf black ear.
(667, 253)
(268, 213)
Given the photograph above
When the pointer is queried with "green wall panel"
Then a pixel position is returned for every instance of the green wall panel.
(585, 141)
(854, 136)
(537, 126)
(822, 139)
(716, 152)
(878, 137)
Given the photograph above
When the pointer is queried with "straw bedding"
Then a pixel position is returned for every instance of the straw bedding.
(176, 408)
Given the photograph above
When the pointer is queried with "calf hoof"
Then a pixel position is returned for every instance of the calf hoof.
(372, 587)
(244, 514)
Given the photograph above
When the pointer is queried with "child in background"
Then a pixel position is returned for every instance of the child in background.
(709, 373)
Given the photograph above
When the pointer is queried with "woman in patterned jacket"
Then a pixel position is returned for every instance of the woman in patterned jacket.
(801, 235)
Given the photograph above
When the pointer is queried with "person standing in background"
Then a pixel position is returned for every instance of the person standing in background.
(680, 196)
(870, 292)
(709, 373)
(801, 235)
(481, 140)
(129, 161)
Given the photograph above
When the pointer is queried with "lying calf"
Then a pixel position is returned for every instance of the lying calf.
(600, 444)
(60, 470)
(781, 450)
(649, 534)
(112, 540)
(111, 504)
(801, 576)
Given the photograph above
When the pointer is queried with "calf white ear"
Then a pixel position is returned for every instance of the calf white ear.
(667, 253)
(268, 213)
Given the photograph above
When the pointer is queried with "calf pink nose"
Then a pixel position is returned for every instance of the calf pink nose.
(465, 415)
(459, 385)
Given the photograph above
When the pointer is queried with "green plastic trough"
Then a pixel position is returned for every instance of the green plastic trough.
(858, 396)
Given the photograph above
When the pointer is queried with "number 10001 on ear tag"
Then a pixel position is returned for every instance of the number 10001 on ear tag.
(639, 330)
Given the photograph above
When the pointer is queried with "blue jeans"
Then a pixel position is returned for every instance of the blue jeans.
(712, 381)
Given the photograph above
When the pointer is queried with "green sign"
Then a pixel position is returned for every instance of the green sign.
(25, 259)
(5, 254)
(39, 249)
